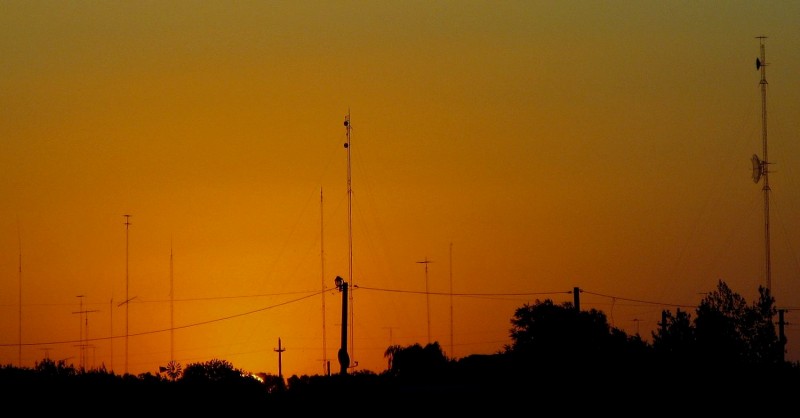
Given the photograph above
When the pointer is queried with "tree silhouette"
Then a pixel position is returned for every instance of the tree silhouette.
(416, 361)
(731, 332)
(51, 368)
(549, 331)
(675, 340)
(212, 371)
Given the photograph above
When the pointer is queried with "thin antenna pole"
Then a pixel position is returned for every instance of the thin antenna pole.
(86, 339)
(347, 144)
(765, 171)
(322, 274)
(452, 350)
(111, 331)
(127, 299)
(80, 328)
(171, 308)
(427, 296)
(83, 331)
(19, 238)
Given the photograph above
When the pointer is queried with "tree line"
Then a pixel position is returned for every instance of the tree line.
(726, 352)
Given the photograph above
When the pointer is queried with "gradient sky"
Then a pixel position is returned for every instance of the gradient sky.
(523, 147)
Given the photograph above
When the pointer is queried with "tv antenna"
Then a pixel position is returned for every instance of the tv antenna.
(760, 166)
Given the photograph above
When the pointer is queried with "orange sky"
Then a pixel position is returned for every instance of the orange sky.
(524, 148)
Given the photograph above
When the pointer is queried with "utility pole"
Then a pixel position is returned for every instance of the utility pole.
(576, 296)
(344, 358)
(782, 336)
(280, 351)
(427, 296)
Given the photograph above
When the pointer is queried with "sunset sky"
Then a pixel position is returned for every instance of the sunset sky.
(524, 148)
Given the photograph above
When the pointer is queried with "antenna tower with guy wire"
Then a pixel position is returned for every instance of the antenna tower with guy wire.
(760, 166)
(350, 281)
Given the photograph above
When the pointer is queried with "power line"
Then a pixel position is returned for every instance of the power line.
(174, 328)
(640, 300)
(316, 293)
(462, 294)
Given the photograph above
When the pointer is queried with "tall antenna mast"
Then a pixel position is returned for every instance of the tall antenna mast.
(427, 296)
(322, 273)
(349, 128)
(760, 168)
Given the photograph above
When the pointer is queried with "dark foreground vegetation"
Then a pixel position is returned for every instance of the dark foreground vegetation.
(725, 357)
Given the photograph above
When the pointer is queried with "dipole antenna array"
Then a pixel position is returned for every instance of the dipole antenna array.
(427, 296)
(760, 167)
